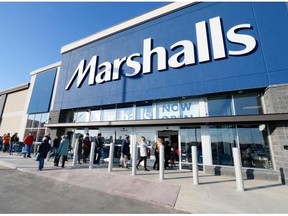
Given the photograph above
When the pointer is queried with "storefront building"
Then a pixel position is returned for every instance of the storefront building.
(213, 75)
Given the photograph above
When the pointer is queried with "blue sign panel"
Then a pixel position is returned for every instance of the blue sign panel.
(201, 49)
(42, 92)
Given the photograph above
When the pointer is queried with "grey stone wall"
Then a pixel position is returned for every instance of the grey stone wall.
(56, 116)
(276, 101)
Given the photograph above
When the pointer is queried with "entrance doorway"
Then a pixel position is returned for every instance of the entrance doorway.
(170, 138)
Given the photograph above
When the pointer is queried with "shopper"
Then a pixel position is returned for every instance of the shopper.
(143, 153)
(63, 150)
(98, 148)
(28, 141)
(157, 152)
(43, 150)
(86, 147)
(6, 142)
(125, 152)
(13, 141)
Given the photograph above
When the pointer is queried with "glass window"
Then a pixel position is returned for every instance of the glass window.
(144, 112)
(219, 106)
(168, 110)
(254, 146)
(125, 113)
(80, 116)
(36, 121)
(189, 108)
(40, 135)
(44, 119)
(222, 141)
(109, 115)
(30, 119)
(190, 136)
(95, 115)
(247, 105)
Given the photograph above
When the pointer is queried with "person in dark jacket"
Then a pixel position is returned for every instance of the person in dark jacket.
(98, 148)
(56, 143)
(80, 143)
(125, 152)
(14, 140)
(86, 147)
(43, 150)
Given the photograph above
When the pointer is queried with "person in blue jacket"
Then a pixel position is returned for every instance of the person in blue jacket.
(63, 150)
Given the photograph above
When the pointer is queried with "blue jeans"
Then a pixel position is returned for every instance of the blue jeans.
(10, 147)
(28, 149)
(41, 163)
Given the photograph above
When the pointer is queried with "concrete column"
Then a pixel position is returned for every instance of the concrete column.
(134, 151)
(206, 146)
(238, 169)
(92, 152)
(161, 162)
(195, 165)
(111, 157)
(134, 158)
(75, 153)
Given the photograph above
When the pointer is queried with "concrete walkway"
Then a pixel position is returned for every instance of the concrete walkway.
(214, 194)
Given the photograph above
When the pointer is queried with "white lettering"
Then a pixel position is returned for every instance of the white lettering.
(148, 53)
(202, 42)
(248, 41)
(117, 68)
(182, 53)
(105, 75)
(217, 38)
(187, 53)
(134, 65)
(82, 73)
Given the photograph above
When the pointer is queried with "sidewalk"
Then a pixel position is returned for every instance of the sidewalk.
(214, 194)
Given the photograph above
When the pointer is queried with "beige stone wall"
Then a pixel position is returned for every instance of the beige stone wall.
(14, 113)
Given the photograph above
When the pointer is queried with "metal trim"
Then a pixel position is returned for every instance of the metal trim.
(248, 119)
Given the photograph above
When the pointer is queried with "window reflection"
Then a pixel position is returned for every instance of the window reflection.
(125, 113)
(144, 112)
(95, 115)
(109, 115)
(219, 106)
(247, 105)
(190, 137)
(254, 147)
(222, 141)
(35, 124)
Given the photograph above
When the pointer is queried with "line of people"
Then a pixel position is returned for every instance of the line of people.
(84, 148)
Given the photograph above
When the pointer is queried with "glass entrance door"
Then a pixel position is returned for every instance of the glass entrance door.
(170, 138)
(190, 136)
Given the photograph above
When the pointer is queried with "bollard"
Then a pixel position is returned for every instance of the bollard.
(134, 158)
(238, 169)
(111, 156)
(75, 153)
(92, 152)
(161, 162)
(195, 165)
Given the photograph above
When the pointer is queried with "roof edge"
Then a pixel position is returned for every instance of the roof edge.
(48, 67)
(15, 88)
(128, 24)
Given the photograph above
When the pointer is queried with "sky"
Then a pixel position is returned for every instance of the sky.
(33, 33)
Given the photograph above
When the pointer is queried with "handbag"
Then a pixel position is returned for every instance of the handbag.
(36, 157)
